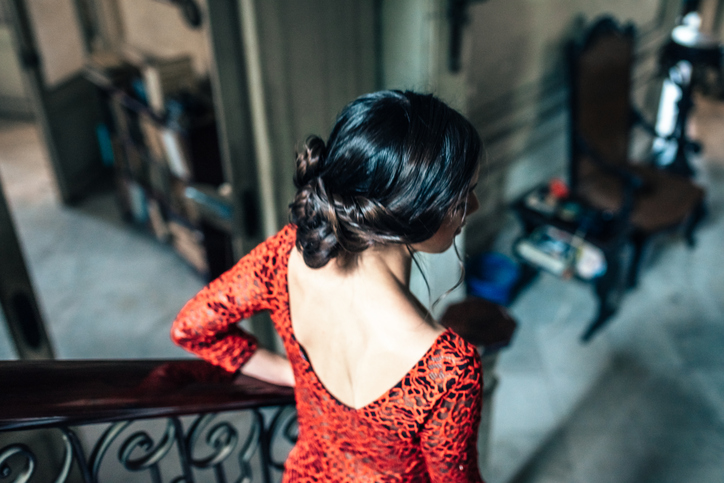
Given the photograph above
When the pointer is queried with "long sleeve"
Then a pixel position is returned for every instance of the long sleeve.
(207, 324)
(450, 434)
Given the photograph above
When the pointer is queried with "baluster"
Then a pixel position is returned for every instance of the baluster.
(284, 421)
(100, 448)
(77, 449)
(183, 454)
(149, 461)
(10, 451)
(30, 466)
(247, 451)
(222, 438)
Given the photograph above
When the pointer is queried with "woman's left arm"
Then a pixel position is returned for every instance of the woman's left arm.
(450, 436)
(208, 324)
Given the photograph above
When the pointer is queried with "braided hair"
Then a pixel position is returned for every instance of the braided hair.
(395, 166)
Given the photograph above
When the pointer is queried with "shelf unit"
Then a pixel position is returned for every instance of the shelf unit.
(168, 168)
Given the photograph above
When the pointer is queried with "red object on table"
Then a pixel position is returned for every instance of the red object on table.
(558, 188)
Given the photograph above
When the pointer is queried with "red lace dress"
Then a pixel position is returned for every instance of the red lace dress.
(423, 429)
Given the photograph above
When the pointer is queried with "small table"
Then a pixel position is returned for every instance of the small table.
(583, 228)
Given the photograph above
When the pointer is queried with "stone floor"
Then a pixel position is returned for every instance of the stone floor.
(642, 402)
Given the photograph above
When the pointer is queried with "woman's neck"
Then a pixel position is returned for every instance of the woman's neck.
(391, 261)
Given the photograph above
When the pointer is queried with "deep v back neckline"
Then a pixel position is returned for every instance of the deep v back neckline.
(304, 355)
(385, 395)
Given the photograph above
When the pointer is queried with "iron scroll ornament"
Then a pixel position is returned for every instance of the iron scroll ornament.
(141, 452)
(23, 475)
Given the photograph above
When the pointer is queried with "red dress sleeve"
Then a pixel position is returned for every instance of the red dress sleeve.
(207, 324)
(449, 437)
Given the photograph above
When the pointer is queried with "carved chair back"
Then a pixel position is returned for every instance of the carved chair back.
(600, 67)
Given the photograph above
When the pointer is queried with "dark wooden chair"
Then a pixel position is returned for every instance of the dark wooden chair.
(642, 199)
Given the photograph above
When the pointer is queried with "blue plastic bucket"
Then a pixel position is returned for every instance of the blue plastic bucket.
(492, 276)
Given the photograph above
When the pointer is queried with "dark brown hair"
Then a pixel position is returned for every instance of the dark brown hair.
(395, 166)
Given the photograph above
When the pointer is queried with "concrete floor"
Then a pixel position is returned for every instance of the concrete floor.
(642, 402)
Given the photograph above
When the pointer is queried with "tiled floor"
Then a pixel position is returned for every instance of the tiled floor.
(642, 402)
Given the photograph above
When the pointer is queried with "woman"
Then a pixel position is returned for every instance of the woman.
(383, 392)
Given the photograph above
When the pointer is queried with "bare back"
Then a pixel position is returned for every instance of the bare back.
(361, 329)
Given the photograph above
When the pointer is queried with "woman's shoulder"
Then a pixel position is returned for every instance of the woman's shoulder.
(452, 359)
(451, 369)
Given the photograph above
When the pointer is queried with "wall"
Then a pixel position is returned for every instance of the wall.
(57, 36)
(149, 26)
(516, 95)
(316, 56)
(413, 55)
(414, 37)
(14, 100)
(158, 28)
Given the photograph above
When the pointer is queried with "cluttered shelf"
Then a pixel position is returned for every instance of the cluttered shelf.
(159, 132)
(563, 235)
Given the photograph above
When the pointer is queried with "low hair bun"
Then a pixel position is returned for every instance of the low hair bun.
(317, 226)
(312, 210)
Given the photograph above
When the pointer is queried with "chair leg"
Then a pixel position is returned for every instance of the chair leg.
(638, 240)
(604, 313)
(609, 289)
(697, 215)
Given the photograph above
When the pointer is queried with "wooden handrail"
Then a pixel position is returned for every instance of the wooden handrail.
(70, 393)
(35, 394)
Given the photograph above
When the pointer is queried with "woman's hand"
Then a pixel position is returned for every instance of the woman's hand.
(269, 367)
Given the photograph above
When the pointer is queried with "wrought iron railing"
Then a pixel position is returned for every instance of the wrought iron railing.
(179, 421)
